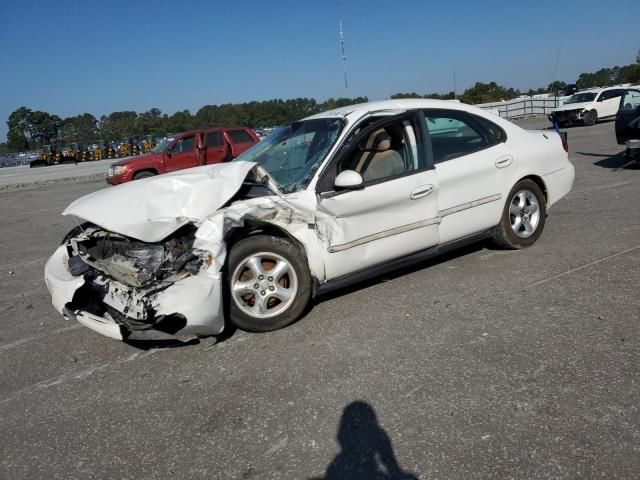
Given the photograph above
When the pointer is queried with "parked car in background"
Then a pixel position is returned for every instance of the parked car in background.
(628, 116)
(186, 150)
(326, 201)
(587, 107)
(568, 90)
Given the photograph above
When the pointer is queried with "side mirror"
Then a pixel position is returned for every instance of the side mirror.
(169, 153)
(348, 180)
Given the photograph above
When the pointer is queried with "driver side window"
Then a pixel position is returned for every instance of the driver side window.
(184, 145)
(384, 153)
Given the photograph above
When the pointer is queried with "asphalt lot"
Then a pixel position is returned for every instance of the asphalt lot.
(485, 364)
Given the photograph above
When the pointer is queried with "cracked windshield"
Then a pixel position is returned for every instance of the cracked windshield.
(293, 153)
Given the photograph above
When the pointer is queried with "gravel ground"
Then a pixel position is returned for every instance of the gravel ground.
(483, 364)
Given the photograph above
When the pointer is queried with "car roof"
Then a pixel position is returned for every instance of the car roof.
(353, 113)
(399, 105)
(598, 90)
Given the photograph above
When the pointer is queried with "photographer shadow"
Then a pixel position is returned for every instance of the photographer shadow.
(366, 449)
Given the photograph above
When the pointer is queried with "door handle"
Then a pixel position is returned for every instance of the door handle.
(505, 161)
(421, 191)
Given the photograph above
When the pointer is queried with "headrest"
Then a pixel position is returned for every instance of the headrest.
(379, 141)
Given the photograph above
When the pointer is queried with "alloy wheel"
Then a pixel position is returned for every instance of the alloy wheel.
(264, 285)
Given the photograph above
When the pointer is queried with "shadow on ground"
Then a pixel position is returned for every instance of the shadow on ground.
(366, 451)
(615, 162)
(228, 332)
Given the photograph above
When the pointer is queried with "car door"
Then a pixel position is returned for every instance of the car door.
(628, 116)
(473, 165)
(216, 150)
(239, 141)
(182, 154)
(608, 103)
(394, 213)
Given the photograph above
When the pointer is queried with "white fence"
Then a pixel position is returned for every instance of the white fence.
(523, 107)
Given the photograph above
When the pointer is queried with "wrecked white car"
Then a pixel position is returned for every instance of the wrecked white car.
(327, 201)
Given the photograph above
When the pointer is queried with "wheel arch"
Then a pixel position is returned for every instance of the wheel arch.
(251, 228)
(538, 181)
(142, 170)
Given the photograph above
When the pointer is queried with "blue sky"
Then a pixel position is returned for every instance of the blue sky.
(70, 57)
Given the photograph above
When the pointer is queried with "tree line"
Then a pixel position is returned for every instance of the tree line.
(492, 92)
(30, 129)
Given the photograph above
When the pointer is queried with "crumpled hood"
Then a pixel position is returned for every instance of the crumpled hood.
(153, 208)
(571, 106)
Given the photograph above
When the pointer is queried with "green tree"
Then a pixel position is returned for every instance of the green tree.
(405, 95)
(179, 122)
(79, 129)
(44, 127)
(150, 123)
(556, 85)
(441, 96)
(27, 128)
(484, 93)
(18, 133)
(118, 125)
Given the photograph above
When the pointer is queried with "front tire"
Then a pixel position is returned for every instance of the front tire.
(590, 118)
(268, 283)
(523, 217)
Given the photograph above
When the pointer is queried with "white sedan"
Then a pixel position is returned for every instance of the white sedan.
(324, 202)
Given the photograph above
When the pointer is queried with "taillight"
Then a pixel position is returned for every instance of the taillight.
(565, 143)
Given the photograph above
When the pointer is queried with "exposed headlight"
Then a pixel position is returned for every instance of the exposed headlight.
(117, 170)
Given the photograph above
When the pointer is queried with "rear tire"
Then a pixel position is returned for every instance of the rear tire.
(141, 175)
(590, 118)
(268, 283)
(523, 217)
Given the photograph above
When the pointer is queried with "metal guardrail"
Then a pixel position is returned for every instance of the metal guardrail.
(523, 107)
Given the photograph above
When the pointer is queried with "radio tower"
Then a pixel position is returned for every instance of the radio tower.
(344, 57)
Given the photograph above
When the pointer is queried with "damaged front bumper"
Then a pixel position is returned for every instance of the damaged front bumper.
(567, 116)
(191, 305)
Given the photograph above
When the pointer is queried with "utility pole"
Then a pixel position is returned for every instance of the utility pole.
(555, 67)
(344, 56)
(455, 92)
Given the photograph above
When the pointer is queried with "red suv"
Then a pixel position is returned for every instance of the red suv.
(186, 150)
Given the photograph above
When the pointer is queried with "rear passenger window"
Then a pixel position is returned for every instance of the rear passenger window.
(213, 139)
(240, 136)
(453, 134)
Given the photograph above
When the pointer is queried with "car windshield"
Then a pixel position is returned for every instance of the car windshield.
(162, 146)
(292, 154)
(582, 97)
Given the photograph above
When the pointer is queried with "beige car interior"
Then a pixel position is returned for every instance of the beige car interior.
(379, 159)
